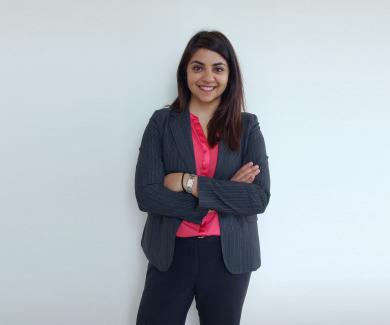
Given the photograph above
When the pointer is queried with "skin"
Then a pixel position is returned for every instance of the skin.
(209, 69)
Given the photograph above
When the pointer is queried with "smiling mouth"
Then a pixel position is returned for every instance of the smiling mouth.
(207, 88)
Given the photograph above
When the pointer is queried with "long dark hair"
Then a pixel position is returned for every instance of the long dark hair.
(226, 122)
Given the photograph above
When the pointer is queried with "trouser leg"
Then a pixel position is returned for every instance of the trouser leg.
(219, 294)
(167, 296)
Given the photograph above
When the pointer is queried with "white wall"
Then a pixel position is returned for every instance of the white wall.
(77, 79)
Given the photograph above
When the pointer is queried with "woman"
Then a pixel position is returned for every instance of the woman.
(202, 177)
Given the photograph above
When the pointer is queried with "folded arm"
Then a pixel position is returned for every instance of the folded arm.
(151, 195)
(239, 197)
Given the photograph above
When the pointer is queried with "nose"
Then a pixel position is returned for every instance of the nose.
(208, 75)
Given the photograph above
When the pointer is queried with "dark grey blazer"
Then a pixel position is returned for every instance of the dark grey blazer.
(167, 147)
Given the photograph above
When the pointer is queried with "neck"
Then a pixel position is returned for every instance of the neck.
(203, 110)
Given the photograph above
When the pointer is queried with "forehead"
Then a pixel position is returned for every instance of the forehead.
(207, 57)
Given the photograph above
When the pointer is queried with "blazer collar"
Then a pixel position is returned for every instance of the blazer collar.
(180, 126)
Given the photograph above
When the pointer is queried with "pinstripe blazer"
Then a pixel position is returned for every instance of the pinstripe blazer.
(167, 147)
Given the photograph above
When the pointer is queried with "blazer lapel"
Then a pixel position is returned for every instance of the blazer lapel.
(180, 126)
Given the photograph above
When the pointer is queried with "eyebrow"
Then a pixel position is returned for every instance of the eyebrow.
(214, 64)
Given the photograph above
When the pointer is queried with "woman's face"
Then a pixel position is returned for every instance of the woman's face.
(210, 70)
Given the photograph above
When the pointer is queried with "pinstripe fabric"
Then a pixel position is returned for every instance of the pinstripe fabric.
(167, 147)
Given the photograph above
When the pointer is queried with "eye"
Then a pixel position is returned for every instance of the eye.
(198, 68)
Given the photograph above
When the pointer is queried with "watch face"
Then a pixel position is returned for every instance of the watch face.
(190, 182)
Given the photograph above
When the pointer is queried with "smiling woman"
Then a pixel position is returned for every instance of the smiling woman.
(207, 76)
(202, 176)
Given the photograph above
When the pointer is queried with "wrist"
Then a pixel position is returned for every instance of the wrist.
(183, 181)
(195, 187)
(189, 180)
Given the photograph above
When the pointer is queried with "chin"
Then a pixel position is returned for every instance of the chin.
(207, 100)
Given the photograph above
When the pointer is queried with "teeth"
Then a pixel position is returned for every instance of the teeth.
(206, 88)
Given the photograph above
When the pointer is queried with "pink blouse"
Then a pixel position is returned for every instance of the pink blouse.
(206, 162)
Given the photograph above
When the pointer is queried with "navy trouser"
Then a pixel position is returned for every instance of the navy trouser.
(197, 270)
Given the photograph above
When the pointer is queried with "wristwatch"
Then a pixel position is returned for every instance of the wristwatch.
(190, 183)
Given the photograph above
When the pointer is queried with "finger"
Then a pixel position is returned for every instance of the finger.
(243, 173)
(243, 168)
(252, 176)
(248, 177)
(247, 172)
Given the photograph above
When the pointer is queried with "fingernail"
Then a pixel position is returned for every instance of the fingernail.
(251, 163)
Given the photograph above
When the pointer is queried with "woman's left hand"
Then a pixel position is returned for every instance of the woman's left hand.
(172, 181)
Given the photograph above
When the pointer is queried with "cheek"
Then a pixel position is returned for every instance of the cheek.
(191, 80)
(224, 82)
(226, 79)
(191, 77)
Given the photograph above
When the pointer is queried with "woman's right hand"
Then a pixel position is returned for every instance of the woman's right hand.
(246, 173)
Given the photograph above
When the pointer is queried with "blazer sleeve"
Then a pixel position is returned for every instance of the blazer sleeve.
(151, 194)
(239, 197)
